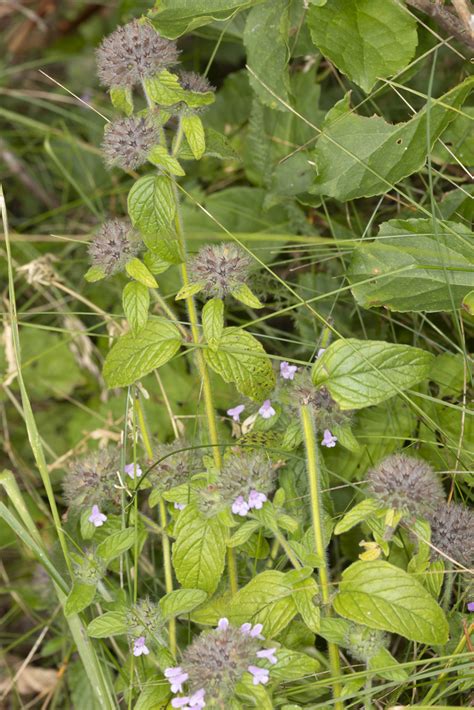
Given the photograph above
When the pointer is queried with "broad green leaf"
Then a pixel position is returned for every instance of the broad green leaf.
(112, 623)
(267, 599)
(166, 248)
(241, 359)
(255, 696)
(194, 132)
(189, 290)
(199, 550)
(138, 271)
(155, 695)
(243, 294)
(181, 601)
(414, 265)
(359, 373)
(79, 598)
(159, 156)
(116, 544)
(155, 263)
(292, 665)
(218, 146)
(151, 203)
(357, 156)
(95, 273)
(213, 321)
(356, 515)
(365, 39)
(136, 300)
(243, 533)
(303, 597)
(174, 18)
(132, 356)
(164, 89)
(383, 596)
(386, 666)
(266, 42)
(122, 99)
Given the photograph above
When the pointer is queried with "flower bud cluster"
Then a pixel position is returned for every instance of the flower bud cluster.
(90, 568)
(221, 268)
(175, 466)
(364, 643)
(128, 141)
(452, 533)
(92, 480)
(326, 411)
(114, 245)
(145, 620)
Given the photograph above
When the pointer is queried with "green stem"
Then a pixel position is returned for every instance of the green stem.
(313, 468)
(448, 586)
(283, 542)
(162, 512)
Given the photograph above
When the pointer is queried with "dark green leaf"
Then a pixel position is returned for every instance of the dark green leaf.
(151, 203)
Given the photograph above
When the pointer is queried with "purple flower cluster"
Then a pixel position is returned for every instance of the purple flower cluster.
(241, 507)
(215, 662)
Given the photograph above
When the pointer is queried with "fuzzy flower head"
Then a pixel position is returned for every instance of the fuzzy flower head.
(364, 643)
(221, 268)
(127, 142)
(405, 483)
(198, 84)
(452, 532)
(91, 482)
(113, 246)
(215, 662)
(144, 620)
(175, 466)
(88, 568)
(133, 53)
(326, 411)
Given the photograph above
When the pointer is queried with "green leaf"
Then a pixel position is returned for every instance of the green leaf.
(164, 89)
(116, 544)
(304, 601)
(159, 156)
(122, 99)
(266, 42)
(155, 263)
(112, 623)
(365, 39)
(241, 359)
(174, 18)
(189, 290)
(387, 667)
(213, 321)
(151, 203)
(136, 300)
(243, 294)
(359, 373)
(199, 550)
(132, 356)
(79, 598)
(243, 533)
(414, 265)
(356, 515)
(357, 156)
(155, 695)
(218, 146)
(292, 665)
(385, 597)
(194, 132)
(95, 273)
(167, 249)
(181, 601)
(468, 302)
(138, 271)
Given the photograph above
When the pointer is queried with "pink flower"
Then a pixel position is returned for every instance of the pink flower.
(328, 439)
(268, 653)
(287, 371)
(266, 410)
(96, 517)
(254, 631)
(260, 675)
(470, 606)
(235, 412)
(240, 507)
(256, 499)
(179, 506)
(223, 624)
(133, 470)
(140, 648)
(176, 678)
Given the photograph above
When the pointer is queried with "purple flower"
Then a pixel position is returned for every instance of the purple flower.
(140, 648)
(256, 499)
(254, 631)
(266, 410)
(268, 653)
(235, 412)
(96, 517)
(197, 701)
(179, 506)
(180, 702)
(470, 606)
(328, 439)
(240, 507)
(176, 678)
(223, 624)
(287, 371)
(133, 470)
(260, 675)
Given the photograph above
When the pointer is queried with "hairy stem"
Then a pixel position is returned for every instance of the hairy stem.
(314, 474)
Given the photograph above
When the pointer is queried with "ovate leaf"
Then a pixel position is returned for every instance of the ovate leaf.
(359, 373)
(356, 515)
(194, 132)
(199, 550)
(133, 356)
(116, 544)
(243, 294)
(241, 359)
(151, 203)
(181, 601)
(414, 265)
(112, 623)
(292, 665)
(79, 598)
(165, 89)
(121, 97)
(213, 321)
(138, 271)
(365, 39)
(159, 156)
(136, 300)
(95, 273)
(383, 596)
(175, 17)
